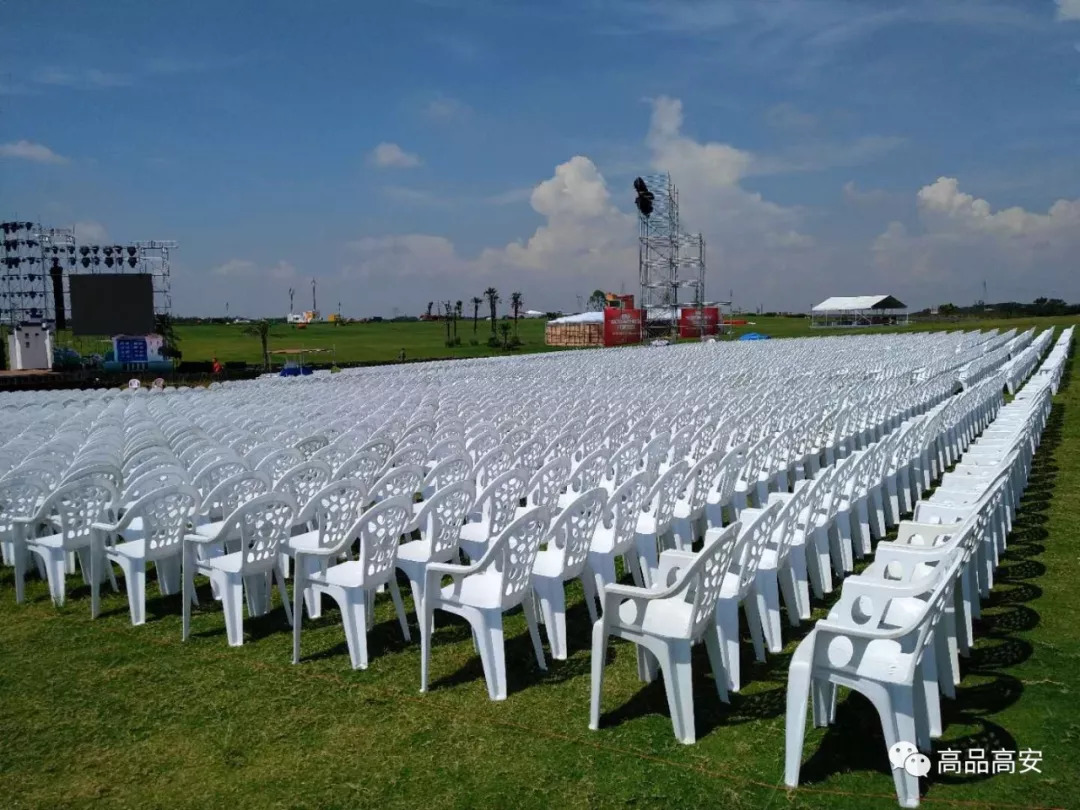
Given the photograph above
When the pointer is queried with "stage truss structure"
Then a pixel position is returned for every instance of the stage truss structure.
(37, 260)
(671, 263)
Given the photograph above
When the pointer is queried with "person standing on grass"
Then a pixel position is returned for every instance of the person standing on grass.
(401, 356)
(216, 367)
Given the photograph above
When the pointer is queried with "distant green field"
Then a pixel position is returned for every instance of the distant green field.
(359, 342)
(381, 342)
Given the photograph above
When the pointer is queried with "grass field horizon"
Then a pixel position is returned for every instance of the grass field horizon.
(381, 342)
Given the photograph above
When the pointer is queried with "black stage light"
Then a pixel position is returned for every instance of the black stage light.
(84, 250)
(108, 250)
(85, 261)
(109, 260)
(644, 201)
(132, 261)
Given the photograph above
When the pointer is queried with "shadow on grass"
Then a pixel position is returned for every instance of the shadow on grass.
(855, 741)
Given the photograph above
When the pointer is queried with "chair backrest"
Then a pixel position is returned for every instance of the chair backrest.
(382, 446)
(623, 463)
(492, 464)
(19, 497)
(751, 545)
(165, 512)
(227, 496)
(499, 500)
(530, 454)
(333, 510)
(405, 480)
(79, 503)
(512, 553)
(409, 454)
(590, 470)
(278, 462)
(623, 508)
(441, 517)
(573, 529)
(336, 452)
(262, 524)
(311, 445)
(362, 466)
(380, 528)
(549, 482)
(698, 479)
(153, 480)
(664, 496)
(304, 480)
(98, 470)
(705, 577)
(215, 473)
(449, 470)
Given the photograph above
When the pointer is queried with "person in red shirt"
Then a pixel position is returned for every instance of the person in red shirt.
(217, 366)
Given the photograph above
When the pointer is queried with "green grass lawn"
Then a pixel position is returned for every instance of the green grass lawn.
(100, 711)
(381, 342)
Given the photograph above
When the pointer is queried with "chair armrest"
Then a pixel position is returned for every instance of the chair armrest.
(198, 538)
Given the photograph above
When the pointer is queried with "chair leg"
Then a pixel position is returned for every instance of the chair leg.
(534, 632)
(425, 613)
(354, 610)
(399, 608)
(798, 695)
(552, 599)
(231, 589)
(135, 581)
(766, 598)
(678, 683)
(716, 661)
(489, 632)
(727, 633)
(599, 660)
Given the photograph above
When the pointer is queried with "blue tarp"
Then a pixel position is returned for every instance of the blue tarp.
(754, 336)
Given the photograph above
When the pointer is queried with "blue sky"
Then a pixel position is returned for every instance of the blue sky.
(413, 151)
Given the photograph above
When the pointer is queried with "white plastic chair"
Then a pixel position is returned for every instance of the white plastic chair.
(262, 527)
(665, 621)
(482, 592)
(352, 584)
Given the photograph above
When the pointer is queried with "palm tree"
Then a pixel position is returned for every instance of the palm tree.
(458, 307)
(430, 304)
(598, 300)
(476, 302)
(505, 329)
(493, 299)
(261, 330)
(516, 299)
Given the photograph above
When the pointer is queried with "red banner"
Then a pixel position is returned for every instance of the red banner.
(690, 323)
(621, 326)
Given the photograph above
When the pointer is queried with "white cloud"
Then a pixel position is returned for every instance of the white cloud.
(510, 197)
(963, 240)
(816, 156)
(787, 116)
(389, 155)
(1068, 10)
(587, 240)
(854, 194)
(28, 150)
(447, 109)
(87, 78)
(90, 233)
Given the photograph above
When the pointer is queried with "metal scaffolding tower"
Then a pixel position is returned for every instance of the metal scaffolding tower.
(668, 261)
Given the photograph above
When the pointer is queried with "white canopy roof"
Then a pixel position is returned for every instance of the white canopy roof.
(855, 303)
